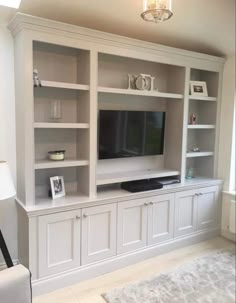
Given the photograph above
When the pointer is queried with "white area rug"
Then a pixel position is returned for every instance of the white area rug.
(209, 279)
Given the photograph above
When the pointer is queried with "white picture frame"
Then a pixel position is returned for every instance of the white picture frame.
(57, 187)
(198, 88)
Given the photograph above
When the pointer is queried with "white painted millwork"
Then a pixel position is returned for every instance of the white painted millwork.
(208, 207)
(59, 242)
(132, 225)
(98, 233)
(196, 210)
(185, 212)
(160, 218)
(98, 227)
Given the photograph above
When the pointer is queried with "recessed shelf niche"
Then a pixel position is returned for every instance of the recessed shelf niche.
(73, 141)
(73, 178)
(211, 79)
(113, 73)
(61, 64)
(74, 105)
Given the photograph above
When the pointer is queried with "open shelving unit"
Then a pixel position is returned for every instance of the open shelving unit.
(65, 77)
(84, 79)
(202, 135)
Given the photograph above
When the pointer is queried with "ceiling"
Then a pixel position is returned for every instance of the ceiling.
(206, 26)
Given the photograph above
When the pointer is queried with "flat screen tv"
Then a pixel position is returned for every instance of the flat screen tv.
(130, 133)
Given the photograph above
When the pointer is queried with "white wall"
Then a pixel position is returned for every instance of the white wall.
(8, 215)
(226, 125)
(225, 148)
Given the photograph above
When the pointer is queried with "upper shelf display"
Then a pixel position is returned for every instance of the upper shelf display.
(125, 75)
(61, 64)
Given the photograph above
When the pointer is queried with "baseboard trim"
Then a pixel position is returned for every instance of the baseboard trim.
(228, 235)
(96, 269)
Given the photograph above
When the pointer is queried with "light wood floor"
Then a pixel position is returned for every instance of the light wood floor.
(90, 291)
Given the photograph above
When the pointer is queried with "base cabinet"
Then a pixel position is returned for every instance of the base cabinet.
(59, 242)
(161, 219)
(145, 222)
(185, 213)
(208, 207)
(196, 210)
(71, 239)
(98, 233)
(131, 225)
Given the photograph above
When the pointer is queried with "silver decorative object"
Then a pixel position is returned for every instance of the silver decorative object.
(36, 79)
(141, 82)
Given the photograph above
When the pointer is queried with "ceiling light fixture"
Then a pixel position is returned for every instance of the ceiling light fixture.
(10, 3)
(157, 10)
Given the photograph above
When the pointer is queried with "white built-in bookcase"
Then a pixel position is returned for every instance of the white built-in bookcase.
(88, 71)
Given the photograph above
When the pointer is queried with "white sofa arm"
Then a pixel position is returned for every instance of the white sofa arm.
(15, 285)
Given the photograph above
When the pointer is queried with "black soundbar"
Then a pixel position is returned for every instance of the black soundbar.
(141, 185)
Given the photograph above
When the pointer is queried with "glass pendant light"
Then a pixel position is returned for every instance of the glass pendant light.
(157, 10)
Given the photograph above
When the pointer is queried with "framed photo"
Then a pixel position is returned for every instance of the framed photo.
(57, 187)
(198, 88)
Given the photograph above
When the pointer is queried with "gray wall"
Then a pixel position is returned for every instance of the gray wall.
(8, 216)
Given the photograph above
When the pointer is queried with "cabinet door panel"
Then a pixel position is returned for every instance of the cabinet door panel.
(208, 207)
(59, 242)
(161, 219)
(132, 225)
(185, 212)
(98, 233)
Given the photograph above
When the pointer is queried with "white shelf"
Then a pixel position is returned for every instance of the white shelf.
(61, 125)
(43, 164)
(201, 126)
(64, 85)
(200, 98)
(117, 177)
(68, 199)
(199, 154)
(102, 89)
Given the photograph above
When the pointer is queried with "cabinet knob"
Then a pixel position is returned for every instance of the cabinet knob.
(196, 194)
(85, 216)
(77, 217)
(151, 203)
(200, 194)
(145, 204)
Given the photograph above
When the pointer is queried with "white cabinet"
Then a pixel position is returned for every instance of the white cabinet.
(196, 210)
(160, 218)
(145, 222)
(59, 242)
(132, 225)
(185, 212)
(98, 233)
(208, 207)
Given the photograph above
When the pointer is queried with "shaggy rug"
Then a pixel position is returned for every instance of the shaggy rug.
(209, 279)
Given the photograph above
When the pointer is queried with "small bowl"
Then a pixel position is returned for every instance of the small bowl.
(56, 155)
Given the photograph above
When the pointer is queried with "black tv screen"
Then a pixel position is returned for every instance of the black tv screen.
(130, 133)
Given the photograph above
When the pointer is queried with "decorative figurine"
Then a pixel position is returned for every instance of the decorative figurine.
(37, 82)
(193, 119)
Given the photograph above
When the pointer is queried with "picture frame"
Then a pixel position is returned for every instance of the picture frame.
(198, 88)
(57, 187)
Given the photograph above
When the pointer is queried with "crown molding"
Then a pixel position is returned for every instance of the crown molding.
(27, 22)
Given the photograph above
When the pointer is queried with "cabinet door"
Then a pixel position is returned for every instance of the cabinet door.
(132, 225)
(160, 218)
(208, 207)
(59, 242)
(98, 233)
(185, 212)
